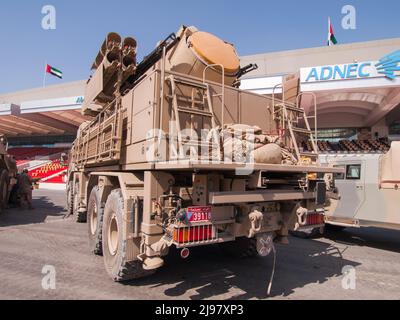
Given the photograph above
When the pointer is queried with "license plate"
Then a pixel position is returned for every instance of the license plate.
(199, 214)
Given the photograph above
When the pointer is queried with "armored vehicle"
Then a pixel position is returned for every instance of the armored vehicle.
(8, 172)
(177, 155)
(369, 190)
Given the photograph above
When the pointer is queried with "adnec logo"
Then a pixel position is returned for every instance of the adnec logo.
(388, 66)
(80, 100)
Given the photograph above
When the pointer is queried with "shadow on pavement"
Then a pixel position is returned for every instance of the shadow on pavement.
(384, 239)
(210, 273)
(44, 209)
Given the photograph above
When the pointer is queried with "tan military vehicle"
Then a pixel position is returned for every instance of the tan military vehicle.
(177, 155)
(8, 172)
(369, 190)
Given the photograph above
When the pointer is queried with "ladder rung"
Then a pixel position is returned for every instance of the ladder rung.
(187, 100)
(197, 112)
(290, 107)
(295, 109)
(190, 83)
(301, 130)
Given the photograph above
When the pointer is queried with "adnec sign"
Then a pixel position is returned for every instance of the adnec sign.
(386, 71)
(340, 72)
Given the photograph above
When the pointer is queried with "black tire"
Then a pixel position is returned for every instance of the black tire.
(70, 199)
(332, 228)
(3, 190)
(81, 217)
(240, 248)
(114, 248)
(312, 234)
(95, 221)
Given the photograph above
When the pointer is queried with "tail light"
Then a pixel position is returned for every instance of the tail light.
(315, 219)
(193, 234)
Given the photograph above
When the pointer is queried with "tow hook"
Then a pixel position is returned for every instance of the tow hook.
(185, 253)
(256, 218)
(301, 217)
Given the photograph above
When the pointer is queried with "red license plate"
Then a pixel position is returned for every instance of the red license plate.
(199, 214)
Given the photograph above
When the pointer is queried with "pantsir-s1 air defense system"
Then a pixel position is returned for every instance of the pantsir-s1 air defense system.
(177, 155)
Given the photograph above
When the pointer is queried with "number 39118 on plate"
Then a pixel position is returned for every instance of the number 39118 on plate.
(199, 214)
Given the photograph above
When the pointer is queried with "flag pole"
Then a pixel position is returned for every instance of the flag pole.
(329, 31)
(45, 74)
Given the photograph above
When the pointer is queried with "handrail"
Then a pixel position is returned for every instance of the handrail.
(222, 89)
(314, 96)
(273, 96)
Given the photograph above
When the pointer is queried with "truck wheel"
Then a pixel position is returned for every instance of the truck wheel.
(95, 221)
(70, 199)
(240, 248)
(3, 190)
(81, 217)
(114, 247)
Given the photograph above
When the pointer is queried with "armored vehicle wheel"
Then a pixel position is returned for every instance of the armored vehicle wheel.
(241, 248)
(114, 248)
(3, 190)
(95, 221)
(81, 217)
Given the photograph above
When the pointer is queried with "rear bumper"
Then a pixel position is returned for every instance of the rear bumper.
(218, 198)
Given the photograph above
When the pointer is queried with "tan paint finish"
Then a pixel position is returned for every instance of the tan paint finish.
(215, 51)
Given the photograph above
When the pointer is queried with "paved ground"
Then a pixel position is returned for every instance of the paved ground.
(306, 269)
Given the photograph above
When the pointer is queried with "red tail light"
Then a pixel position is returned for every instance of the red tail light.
(193, 234)
(315, 219)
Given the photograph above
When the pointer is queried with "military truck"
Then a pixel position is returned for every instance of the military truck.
(8, 172)
(177, 155)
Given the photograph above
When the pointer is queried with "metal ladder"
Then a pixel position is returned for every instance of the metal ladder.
(206, 111)
(93, 146)
(289, 115)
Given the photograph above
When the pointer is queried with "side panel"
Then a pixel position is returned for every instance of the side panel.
(143, 109)
(256, 112)
(381, 205)
(352, 193)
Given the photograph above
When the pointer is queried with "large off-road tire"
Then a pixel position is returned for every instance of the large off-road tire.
(3, 190)
(114, 247)
(81, 217)
(240, 248)
(70, 199)
(95, 221)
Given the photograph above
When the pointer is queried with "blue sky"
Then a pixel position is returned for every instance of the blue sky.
(254, 26)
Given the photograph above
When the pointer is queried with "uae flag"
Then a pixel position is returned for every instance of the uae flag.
(53, 71)
(331, 36)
